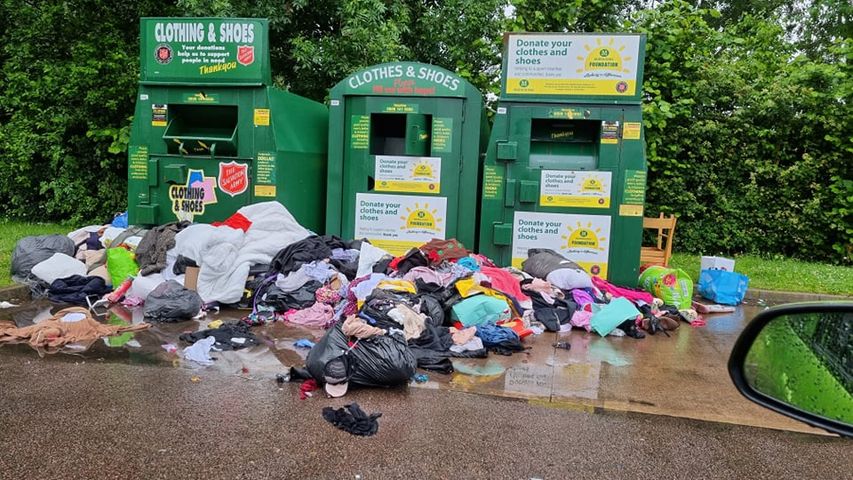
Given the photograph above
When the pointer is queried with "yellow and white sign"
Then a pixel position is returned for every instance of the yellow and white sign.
(398, 223)
(408, 174)
(575, 188)
(572, 64)
(584, 239)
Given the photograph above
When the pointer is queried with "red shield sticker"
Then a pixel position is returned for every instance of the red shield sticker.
(245, 54)
(233, 178)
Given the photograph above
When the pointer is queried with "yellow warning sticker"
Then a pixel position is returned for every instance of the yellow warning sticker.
(264, 190)
(630, 210)
(262, 117)
(631, 131)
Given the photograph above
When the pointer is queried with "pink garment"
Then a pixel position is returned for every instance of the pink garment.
(356, 327)
(318, 315)
(428, 275)
(461, 337)
(504, 282)
(581, 318)
(483, 260)
(629, 293)
(544, 287)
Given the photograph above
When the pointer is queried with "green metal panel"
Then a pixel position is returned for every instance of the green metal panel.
(566, 170)
(404, 153)
(203, 146)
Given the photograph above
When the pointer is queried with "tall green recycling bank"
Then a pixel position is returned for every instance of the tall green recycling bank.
(210, 134)
(565, 166)
(404, 152)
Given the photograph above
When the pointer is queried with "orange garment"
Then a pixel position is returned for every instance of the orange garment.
(51, 335)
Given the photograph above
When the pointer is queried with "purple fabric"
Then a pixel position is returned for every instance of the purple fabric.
(581, 297)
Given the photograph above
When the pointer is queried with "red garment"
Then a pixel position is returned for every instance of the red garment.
(504, 282)
(237, 221)
(307, 386)
(393, 264)
(629, 293)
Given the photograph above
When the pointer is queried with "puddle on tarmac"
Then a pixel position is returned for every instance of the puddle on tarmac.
(274, 355)
(594, 369)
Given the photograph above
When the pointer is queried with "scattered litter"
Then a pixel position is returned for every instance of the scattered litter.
(421, 378)
(7, 305)
(195, 379)
(563, 345)
(169, 347)
(199, 352)
(303, 343)
(353, 419)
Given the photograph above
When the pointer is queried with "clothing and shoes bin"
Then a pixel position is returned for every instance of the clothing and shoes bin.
(211, 134)
(404, 154)
(565, 166)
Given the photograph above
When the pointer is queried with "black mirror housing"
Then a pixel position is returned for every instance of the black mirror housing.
(737, 362)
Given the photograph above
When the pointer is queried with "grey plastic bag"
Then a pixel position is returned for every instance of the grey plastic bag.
(171, 302)
(381, 361)
(30, 251)
(542, 261)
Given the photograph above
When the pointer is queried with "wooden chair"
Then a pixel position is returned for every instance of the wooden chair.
(660, 254)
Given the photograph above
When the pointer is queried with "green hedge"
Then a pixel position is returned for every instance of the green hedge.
(749, 134)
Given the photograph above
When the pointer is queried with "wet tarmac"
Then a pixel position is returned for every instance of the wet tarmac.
(62, 418)
(683, 375)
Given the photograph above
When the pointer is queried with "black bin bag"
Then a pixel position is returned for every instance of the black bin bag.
(171, 302)
(381, 361)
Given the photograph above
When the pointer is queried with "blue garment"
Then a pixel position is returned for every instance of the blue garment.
(469, 263)
(493, 335)
(320, 271)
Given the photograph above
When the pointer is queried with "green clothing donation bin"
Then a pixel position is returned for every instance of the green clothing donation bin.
(404, 153)
(565, 167)
(210, 134)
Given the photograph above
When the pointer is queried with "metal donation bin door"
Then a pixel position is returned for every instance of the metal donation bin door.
(404, 146)
(565, 167)
(210, 134)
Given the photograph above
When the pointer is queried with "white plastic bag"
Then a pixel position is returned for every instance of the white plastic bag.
(59, 265)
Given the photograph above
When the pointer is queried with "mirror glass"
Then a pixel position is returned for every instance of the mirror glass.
(806, 361)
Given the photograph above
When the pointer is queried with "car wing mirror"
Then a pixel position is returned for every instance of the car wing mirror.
(797, 359)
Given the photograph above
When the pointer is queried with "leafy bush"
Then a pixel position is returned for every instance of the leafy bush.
(747, 109)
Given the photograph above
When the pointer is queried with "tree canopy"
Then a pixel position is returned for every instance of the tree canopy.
(746, 109)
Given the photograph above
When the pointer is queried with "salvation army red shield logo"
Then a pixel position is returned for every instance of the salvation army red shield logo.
(233, 178)
(245, 54)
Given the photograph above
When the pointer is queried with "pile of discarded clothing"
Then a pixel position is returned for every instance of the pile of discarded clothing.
(565, 296)
(390, 315)
(385, 315)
